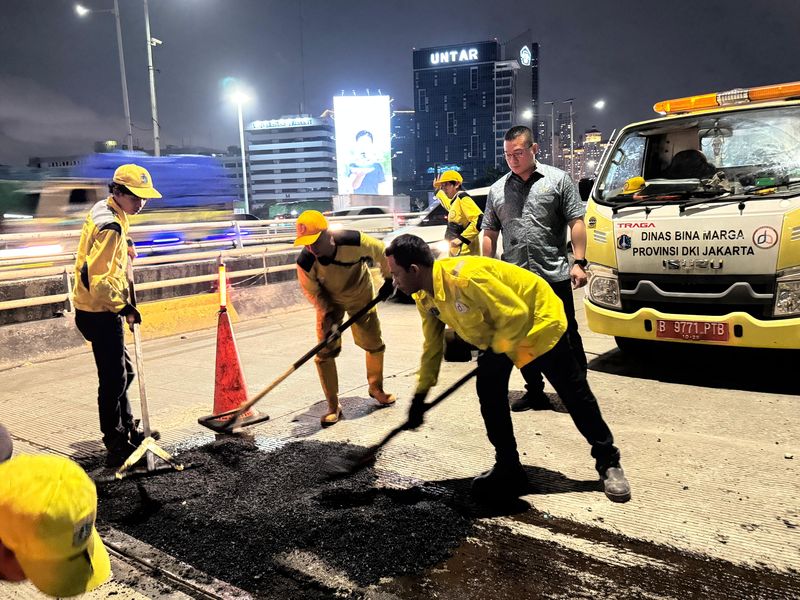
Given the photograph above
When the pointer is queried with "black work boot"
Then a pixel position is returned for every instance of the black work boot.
(615, 485)
(136, 435)
(118, 451)
(531, 401)
(501, 482)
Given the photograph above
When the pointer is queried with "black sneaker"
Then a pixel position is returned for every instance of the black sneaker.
(528, 401)
(501, 482)
(615, 485)
(136, 435)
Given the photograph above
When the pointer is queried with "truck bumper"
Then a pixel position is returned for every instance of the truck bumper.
(745, 331)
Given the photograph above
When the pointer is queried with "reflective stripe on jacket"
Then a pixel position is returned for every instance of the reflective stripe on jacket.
(490, 304)
(101, 281)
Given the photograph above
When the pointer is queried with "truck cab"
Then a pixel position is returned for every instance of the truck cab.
(693, 224)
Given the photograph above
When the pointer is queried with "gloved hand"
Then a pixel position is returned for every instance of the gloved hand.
(387, 289)
(416, 413)
(330, 328)
(131, 315)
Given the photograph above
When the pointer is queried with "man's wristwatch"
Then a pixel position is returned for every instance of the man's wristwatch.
(581, 262)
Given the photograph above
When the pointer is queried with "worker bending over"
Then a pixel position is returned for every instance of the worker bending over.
(516, 319)
(333, 270)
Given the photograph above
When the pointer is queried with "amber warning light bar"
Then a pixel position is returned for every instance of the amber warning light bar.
(782, 91)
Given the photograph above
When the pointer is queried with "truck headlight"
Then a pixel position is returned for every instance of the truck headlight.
(787, 295)
(603, 288)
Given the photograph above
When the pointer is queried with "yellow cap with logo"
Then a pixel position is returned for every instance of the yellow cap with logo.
(448, 175)
(309, 225)
(137, 180)
(47, 514)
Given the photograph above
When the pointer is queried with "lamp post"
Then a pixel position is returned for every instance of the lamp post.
(552, 131)
(82, 12)
(239, 97)
(151, 41)
(571, 138)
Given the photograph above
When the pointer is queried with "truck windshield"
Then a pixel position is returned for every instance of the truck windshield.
(726, 152)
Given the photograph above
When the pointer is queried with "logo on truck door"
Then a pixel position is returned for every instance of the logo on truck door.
(624, 242)
(765, 237)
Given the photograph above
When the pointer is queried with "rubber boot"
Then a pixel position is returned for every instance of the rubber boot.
(375, 379)
(329, 380)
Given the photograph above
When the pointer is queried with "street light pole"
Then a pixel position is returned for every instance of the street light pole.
(154, 111)
(552, 132)
(571, 138)
(82, 12)
(239, 100)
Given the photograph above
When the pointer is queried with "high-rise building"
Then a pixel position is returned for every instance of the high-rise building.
(465, 98)
(592, 151)
(291, 159)
(403, 152)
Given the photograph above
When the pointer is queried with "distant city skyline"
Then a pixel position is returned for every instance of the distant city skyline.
(61, 85)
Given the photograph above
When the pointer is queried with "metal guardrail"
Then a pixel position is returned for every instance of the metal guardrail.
(275, 244)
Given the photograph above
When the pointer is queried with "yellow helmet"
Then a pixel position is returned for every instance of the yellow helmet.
(448, 175)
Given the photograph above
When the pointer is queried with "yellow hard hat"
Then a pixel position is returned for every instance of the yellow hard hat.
(633, 185)
(137, 179)
(448, 175)
(309, 225)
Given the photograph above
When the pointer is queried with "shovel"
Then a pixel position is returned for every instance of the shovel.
(355, 460)
(221, 424)
(148, 448)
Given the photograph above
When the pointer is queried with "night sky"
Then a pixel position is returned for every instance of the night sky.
(60, 86)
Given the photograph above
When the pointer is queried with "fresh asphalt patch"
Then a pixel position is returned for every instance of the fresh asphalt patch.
(264, 516)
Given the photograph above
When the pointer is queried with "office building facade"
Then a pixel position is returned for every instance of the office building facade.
(465, 98)
(291, 159)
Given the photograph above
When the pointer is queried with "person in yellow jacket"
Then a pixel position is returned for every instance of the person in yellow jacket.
(516, 319)
(463, 215)
(101, 303)
(333, 270)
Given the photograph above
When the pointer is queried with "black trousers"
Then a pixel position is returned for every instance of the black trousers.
(561, 369)
(563, 290)
(114, 372)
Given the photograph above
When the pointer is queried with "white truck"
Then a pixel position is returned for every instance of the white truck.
(693, 224)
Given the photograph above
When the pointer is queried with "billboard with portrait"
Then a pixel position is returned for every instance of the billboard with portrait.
(363, 144)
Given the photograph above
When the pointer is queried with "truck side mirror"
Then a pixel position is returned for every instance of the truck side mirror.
(585, 188)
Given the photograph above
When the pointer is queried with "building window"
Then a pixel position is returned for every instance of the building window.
(473, 146)
(451, 123)
(473, 78)
(454, 78)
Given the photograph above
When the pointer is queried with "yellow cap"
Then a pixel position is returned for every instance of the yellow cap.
(47, 514)
(137, 180)
(633, 185)
(449, 175)
(309, 225)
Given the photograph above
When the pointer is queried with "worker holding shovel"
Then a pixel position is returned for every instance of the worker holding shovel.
(333, 270)
(102, 304)
(516, 319)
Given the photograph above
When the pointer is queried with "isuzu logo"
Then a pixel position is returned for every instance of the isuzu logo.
(690, 265)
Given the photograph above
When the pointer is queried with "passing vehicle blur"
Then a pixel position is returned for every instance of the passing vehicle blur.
(431, 226)
(372, 219)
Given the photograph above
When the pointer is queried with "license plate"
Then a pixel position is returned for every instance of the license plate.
(692, 330)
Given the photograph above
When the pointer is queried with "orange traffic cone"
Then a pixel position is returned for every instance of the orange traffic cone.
(230, 390)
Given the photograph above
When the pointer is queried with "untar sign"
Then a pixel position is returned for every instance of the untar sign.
(443, 57)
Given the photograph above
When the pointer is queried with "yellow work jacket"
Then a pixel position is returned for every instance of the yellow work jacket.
(345, 279)
(462, 223)
(101, 281)
(490, 304)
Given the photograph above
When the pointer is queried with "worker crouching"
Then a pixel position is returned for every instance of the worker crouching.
(333, 270)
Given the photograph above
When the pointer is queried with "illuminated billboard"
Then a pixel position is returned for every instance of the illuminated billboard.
(363, 144)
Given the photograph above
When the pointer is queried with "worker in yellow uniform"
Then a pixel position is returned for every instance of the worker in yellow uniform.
(101, 303)
(516, 319)
(334, 274)
(463, 215)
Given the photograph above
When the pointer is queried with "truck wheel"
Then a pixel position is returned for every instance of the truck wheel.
(632, 346)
